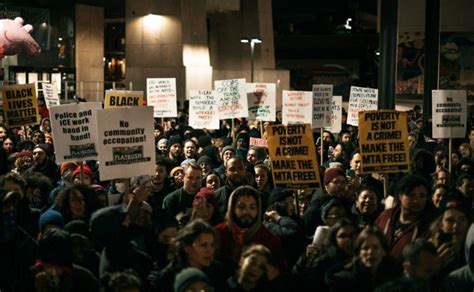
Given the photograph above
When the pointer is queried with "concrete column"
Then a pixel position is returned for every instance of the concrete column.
(90, 51)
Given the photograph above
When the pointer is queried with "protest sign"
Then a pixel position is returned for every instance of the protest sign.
(262, 101)
(293, 156)
(258, 142)
(322, 96)
(161, 94)
(51, 97)
(336, 115)
(20, 105)
(126, 142)
(297, 107)
(203, 110)
(119, 98)
(449, 113)
(384, 141)
(361, 99)
(231, 98)
(75, 129)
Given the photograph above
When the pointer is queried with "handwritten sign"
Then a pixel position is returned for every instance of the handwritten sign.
(51, 97)
(336, 115)
(293, 156)
(121, 98)
(449, 109)
(384, 141)
(361, 99)
(231, 98)
(262, 101)
(75, 127)
(203, 110)
(20, 105)
(297, 107)
(322, 96)
(161, 94)
(126, 142)
(258, 142)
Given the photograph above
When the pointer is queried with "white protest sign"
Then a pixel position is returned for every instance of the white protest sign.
(336, 115)
(449, 113)
(161, 94)
(297, 107)
(75, 130)
(203, 110)
(322, 95)
(50, 94)
(126, 142)
(361, 99)
(231, 98)
(262, 101)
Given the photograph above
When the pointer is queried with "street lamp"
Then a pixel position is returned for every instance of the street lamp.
(252, 42)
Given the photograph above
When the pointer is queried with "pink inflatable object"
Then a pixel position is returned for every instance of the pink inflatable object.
(15, 38)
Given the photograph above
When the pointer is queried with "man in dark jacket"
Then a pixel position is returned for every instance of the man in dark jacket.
(18, 251)
(235, 173)
(160, 185)
(43, 164)
(463, 278)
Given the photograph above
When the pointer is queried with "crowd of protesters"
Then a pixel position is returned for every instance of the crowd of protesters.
(210, 218)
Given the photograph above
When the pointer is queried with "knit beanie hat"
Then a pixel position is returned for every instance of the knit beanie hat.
(208, 194)
(329, 205)
(55, 247)
(175, 139)
(85, 169)
(78, 226)
(45, 147)
(332, 173)
(188, 277)
(67, 165)
(174, 170)
(277, 194)
(228, 148)
(51, 217)
(204, 158)
(24, 153)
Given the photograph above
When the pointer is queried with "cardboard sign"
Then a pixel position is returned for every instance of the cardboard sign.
(361, 99)
(384, 141)
(322, 96)
(161, 94)
(297, 107)
(293, 156)
(51, 97)
(20, 105)
(258, 142)
(262, 101)
(120, 98)
(231, 98)
(336, 115)
(75, 127)
(126, 142)
(449, 113)
(203, 110)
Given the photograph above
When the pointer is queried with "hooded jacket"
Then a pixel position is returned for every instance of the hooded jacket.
(463, 279)
(234, 239)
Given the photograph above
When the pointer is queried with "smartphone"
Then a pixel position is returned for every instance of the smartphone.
(445, 237)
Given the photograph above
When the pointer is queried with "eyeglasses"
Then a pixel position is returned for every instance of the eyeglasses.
(339, 181)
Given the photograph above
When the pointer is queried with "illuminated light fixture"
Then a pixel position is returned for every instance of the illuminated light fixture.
(244, 41)
(347, 25)
(60, 39)
(251, 41)
(44, 24)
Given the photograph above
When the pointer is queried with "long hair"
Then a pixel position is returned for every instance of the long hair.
(90, 200)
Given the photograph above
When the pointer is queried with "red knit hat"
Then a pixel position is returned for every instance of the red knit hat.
(85, 169)
(208, 194)
(332, 173)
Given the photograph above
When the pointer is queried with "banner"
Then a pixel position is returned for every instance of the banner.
(126, 142)
(75, 130)
(231, 98)
(449, 109)
(51, 97)
(383, 141)
(336, 115)
(20, 105)
(161, 94)
(262, 101)
(258, 142)
(361, 99)
(203, 110)
(322, 96)
(297, 107)
(119, 98)
(293, 156)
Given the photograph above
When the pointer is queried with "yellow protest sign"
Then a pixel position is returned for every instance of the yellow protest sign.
(20, 105)
(119, 98)
(293, 156)
(383, 141)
